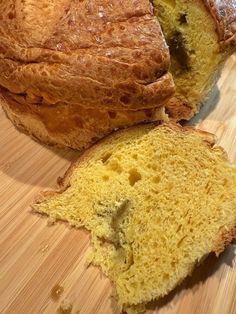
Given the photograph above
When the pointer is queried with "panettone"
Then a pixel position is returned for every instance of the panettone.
(201, 34)
(72, 71)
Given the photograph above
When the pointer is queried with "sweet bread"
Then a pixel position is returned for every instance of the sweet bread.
(201, 34)
(157, 201)
(72, 71)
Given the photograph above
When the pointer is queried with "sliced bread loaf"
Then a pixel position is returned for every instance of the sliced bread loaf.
(156, 199)
(201, 34)
(73, 71)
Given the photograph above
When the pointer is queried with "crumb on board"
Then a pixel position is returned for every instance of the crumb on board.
(65, 307)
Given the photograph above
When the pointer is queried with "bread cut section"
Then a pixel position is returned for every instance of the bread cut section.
(201, 34)
(157, 200)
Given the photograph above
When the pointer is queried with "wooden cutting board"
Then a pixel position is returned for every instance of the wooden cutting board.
(42, 265)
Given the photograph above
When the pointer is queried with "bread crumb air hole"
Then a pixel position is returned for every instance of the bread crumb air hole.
(156, 179)
(106, 157)
(134, 176)
(152, 166)
(115, 166)
(148, 224)
(183, 19)
(112, 114)
(135, 156)
(105, 178)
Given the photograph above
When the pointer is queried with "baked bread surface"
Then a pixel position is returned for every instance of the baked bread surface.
(157, 200)
(87, 59)
(97, 54)
(224, 14)
(71, 126)
(73, 71)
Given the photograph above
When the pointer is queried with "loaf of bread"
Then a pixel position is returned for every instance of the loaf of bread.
(72, 71)
(201, 34)
(157, 200)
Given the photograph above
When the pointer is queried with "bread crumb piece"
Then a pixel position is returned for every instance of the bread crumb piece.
(51, 221)
(65, 307)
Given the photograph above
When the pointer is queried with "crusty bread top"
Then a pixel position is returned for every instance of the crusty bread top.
(98, 54)
(224, 14)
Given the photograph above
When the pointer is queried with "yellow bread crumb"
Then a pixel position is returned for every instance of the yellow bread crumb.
(196, 57)
(157, 200)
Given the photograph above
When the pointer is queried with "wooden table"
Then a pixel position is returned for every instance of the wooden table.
(42, 265)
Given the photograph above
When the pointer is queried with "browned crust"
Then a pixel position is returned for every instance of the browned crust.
(224, 14)
(224, 239)
(68, 126)
(177, 110)
(207, 137)
(97, 66)
(96, 54)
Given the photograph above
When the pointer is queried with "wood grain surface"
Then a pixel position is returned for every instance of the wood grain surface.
(42, 266)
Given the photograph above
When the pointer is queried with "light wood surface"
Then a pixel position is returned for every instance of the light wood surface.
(35, 258)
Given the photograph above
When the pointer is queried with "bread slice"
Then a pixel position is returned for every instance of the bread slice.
(201, 34)
(157, 200)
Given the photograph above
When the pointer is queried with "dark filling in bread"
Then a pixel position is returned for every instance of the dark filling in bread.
(179, 51)
(183, 19)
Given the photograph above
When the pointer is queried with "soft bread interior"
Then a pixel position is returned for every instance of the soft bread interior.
(156, 201)
(195, 54)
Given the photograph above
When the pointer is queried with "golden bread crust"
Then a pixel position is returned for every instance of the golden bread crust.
(224, 239)
(65, 82)
(177, 110)
(108, 55)
(67, 125)
(224, 14)
(73, 71)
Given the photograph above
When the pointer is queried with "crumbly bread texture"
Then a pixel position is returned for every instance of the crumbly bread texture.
(201, 34)
(72, 71)
(157, 200)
